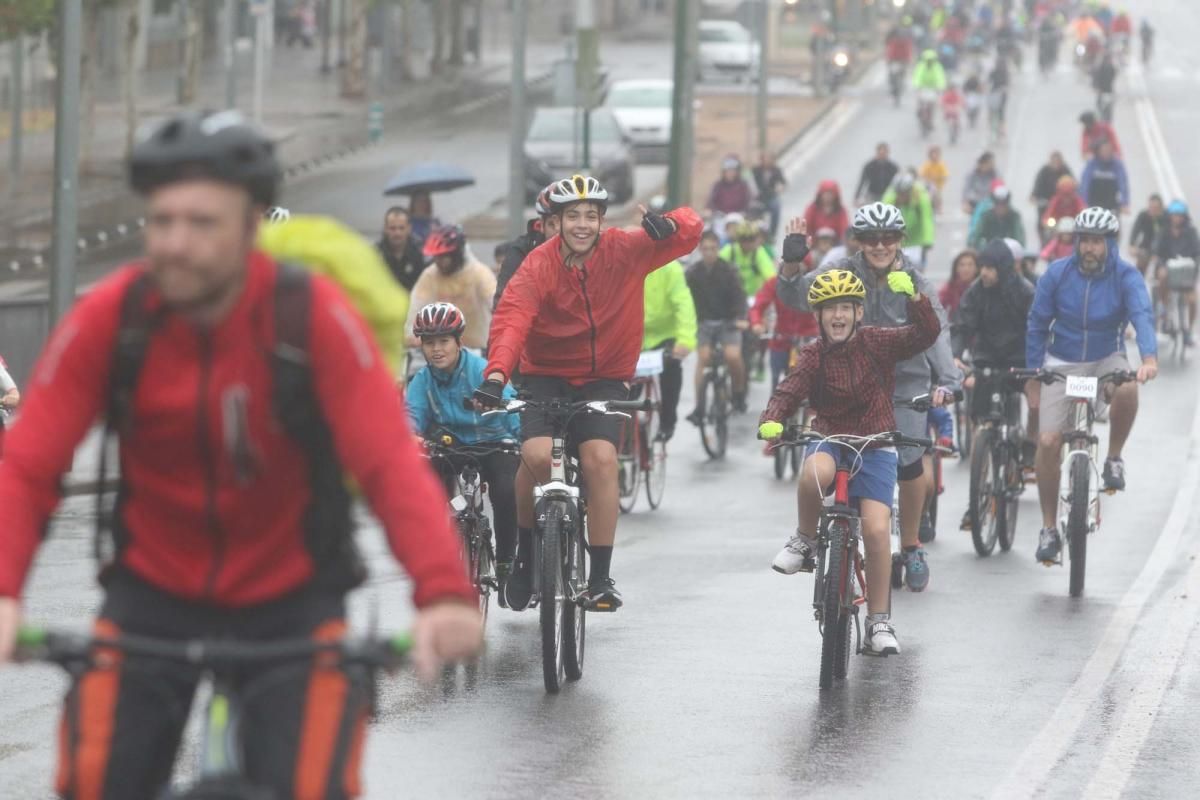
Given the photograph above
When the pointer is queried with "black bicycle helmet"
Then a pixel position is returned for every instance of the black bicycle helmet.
(220, 145)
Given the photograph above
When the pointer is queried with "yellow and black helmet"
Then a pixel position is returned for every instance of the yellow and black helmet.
(836, 284)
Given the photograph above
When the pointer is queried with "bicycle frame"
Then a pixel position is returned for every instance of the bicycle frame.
(838, 511)
(1080, 442)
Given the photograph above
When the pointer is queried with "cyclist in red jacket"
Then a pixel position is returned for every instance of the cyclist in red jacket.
(572, 317)
(231, 521)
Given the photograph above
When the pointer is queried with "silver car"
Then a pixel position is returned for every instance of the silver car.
(643, 110)
(554, 150)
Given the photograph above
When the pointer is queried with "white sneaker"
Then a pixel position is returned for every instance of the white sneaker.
(881, 637)
(796, 556)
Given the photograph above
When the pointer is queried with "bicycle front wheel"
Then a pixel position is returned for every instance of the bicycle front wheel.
(981, 501)
(574, 615)
(713, 427)
(835, 622)
(553, 597)
(1077, 522)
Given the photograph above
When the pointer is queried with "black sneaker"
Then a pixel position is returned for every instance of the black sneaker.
(602, 596)
(503, 570)
(518, 589)
(739, 403)
(696, 417)
(665, 433)
(1114, 475)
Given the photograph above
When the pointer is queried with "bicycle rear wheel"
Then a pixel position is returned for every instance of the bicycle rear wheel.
(1077, 522)
(574, 616)
(981, 501)
(484, 569)
(781, 462)
(1012, 478)
(552, 604)
(629, 463)
(655, 462)
(835, 622)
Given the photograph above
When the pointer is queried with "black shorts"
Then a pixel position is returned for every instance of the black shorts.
(584, 427)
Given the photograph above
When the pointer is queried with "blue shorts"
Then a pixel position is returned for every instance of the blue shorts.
(876, 476)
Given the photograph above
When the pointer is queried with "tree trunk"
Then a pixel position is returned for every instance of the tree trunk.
(193, 34)
(439, 38)
(88, 82)
(406, 40)
(456, 33)
(354, 76)
(131, 81)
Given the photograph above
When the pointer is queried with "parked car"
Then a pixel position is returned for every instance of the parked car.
(643, 110)
(554, 150)
(727, 49)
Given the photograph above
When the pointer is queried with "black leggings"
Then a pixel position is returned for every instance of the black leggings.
(500, 472)
(670, 383)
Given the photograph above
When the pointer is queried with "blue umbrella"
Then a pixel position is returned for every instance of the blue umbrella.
(428, 177)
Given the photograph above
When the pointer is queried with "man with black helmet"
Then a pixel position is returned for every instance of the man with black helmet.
(239, 388)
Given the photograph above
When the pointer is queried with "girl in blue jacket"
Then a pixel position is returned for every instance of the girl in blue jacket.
(436, 407)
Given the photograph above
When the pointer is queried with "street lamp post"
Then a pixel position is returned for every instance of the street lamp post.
(66, 159)
(516, 123)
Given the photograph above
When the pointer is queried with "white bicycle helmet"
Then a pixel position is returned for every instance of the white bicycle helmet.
(878, 217)
(1097, 221)
(277, 214)
(576, 189)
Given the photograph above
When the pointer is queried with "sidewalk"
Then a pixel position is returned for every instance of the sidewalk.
(302, 110)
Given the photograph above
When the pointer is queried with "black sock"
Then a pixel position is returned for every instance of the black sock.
(601, 561)
(524, 543)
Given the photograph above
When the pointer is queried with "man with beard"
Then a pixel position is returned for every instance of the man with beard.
(879, 229)
(573, 317)
(1077, 326)
(457, 277)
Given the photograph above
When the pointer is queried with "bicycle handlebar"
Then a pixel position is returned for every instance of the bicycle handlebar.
(446, 445)
(796, 435)
(924, 402)
(64, 648)
(1048, 376)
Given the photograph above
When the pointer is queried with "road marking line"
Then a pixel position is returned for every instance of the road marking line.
(1051, 744)
(1156, 143)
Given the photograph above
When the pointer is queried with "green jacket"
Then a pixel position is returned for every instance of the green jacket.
(917, 213)
(755, 268)
(670, 313)
(929, 76)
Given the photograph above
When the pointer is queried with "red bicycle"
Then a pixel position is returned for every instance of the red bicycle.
(841, 583)
(642, 454)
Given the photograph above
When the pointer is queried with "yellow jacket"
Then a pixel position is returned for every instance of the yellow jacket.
(329, 248)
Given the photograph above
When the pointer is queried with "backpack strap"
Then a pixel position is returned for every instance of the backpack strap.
(328, 527)
(134, 329)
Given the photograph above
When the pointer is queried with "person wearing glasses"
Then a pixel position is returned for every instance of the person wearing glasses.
(879, 230)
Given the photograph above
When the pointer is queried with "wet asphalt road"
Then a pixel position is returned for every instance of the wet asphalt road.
(705, 684)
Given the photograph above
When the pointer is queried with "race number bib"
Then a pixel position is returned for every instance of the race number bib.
(650, 363)
(1083, 387)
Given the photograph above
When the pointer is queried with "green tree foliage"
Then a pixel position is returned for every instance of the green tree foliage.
(25, 16)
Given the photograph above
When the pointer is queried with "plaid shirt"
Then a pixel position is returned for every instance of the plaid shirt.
(850, 384)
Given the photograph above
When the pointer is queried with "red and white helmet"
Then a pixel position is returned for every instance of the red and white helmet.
(444, 241)
(543, 206)
(439, 319)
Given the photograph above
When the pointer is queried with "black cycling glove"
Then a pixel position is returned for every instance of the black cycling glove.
(490, 393)
(657, 226)
(795, 247)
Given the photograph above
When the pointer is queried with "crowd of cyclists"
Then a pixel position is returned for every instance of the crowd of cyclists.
(240, 389)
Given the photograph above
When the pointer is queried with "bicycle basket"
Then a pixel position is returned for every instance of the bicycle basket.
(1181, 274)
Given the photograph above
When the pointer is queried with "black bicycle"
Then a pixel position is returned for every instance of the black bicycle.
(716, 398)
(997, 471)
(1079, 486)
(841, 584)
(220, 772)
(560, 537)
(466, 501)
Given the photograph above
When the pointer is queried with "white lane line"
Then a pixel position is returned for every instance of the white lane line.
(1156, 143)
(810, 146)
(1056, 737)
(1154, 670)
(1053, 741)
